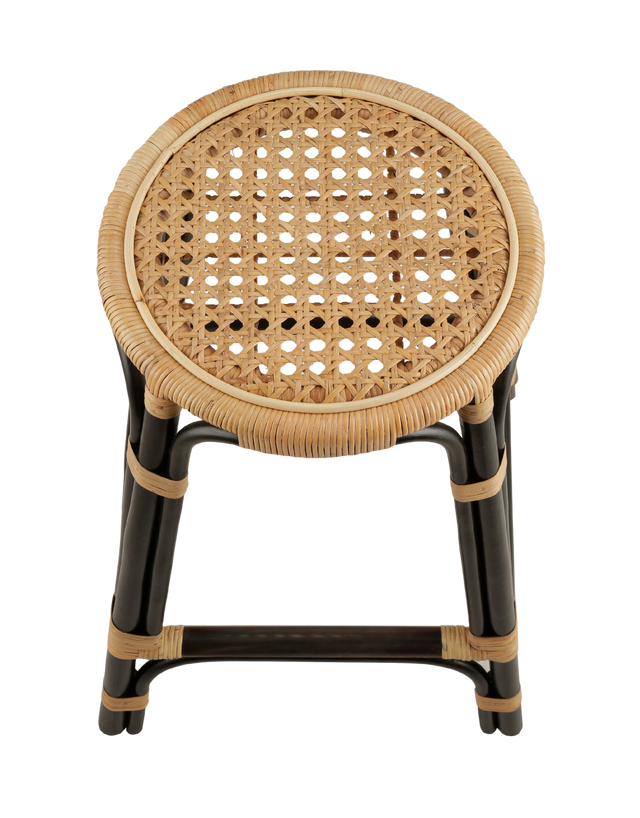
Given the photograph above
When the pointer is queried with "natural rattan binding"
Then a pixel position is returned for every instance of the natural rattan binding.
(472, 492)
(124, 705)
(172, 489)
(477, 412)
(499, 705)
(160, 407)
(165, 645)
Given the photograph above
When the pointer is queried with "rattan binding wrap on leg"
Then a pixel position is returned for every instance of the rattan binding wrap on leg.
(499, 705)
(160, 407)
(477, 412)
(472, 492)
(171, 489)
(165, 645)
(459, 643)
(125, 705)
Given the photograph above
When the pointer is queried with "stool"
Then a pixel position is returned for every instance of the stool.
(318, 264)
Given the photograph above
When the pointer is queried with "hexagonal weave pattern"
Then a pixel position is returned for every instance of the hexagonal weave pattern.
(321, 249)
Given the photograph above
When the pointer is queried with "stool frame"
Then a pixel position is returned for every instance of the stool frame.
(148, 535)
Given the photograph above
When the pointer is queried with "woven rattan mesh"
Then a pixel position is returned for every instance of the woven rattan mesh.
(321, 249)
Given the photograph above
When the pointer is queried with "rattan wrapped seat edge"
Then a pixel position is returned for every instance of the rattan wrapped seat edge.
(318, 431)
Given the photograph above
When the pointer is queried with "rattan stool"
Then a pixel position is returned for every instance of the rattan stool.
(318, 264)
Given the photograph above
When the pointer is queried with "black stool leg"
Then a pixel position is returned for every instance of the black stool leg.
(506, 677)
(495, 565)
(504, 392)
(134, 381)
(131, 599)
(474, 585)
(159, 573)
(475, 588)
(118, 674)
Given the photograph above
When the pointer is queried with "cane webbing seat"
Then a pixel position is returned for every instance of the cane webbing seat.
(318, 264)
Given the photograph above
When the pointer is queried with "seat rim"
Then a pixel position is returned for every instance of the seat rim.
(172, 375)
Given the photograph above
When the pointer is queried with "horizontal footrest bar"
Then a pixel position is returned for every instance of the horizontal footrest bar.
(321, 642)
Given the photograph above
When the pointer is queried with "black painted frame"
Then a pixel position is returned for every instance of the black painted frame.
(148, 536)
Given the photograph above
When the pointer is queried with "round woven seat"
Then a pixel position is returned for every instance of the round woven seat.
(320, 262)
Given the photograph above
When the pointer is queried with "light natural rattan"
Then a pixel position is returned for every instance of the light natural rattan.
(499, 705)
(124, 705)
(206, 257)
(459, 643)
(172, 489)
(165, 645)
(477, 412)
(484, 488)
(160, 407)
